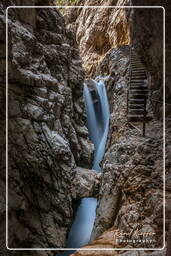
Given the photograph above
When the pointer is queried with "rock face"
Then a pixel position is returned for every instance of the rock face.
(129, 166)
(47, 133)
(109, 252)
(46, 126)
(136, 191)
(85, 184)
(131, 194)
(147, 38)
(99, 30)
(131, 190)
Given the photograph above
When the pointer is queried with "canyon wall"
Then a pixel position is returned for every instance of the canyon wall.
(102, 29)
(46, 126)
(131, 190)
(147, 38)
(47, 133)
(98, 30)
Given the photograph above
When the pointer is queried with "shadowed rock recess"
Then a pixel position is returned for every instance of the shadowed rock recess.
(51, 54)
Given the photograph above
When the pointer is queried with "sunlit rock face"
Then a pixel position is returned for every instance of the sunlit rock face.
(47, 133)
(92, 251)
(98, 30)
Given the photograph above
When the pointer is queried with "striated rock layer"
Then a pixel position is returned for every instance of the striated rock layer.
(46, 126)
(98, 30)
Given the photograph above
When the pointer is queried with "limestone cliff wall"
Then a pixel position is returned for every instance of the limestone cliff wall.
(131, 191)
(129, 165)
(46, 125)
(98, 30)
(48, 137)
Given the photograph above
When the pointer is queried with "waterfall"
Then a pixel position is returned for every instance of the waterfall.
(103, 124)
(97, 110)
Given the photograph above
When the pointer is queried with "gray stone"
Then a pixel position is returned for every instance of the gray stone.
(86, 183)
(45, 101)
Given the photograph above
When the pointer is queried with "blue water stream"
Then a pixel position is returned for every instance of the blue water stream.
(98, 115)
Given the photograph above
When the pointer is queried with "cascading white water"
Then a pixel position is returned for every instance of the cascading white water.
(98, 126)
(103, 124)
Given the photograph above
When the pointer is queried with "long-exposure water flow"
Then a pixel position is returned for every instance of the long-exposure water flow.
(98, 114)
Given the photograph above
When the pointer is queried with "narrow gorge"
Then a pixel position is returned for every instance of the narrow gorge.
(83, 154)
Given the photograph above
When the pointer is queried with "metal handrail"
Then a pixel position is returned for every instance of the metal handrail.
(130, 75)
(129, 86)
(144, 117)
